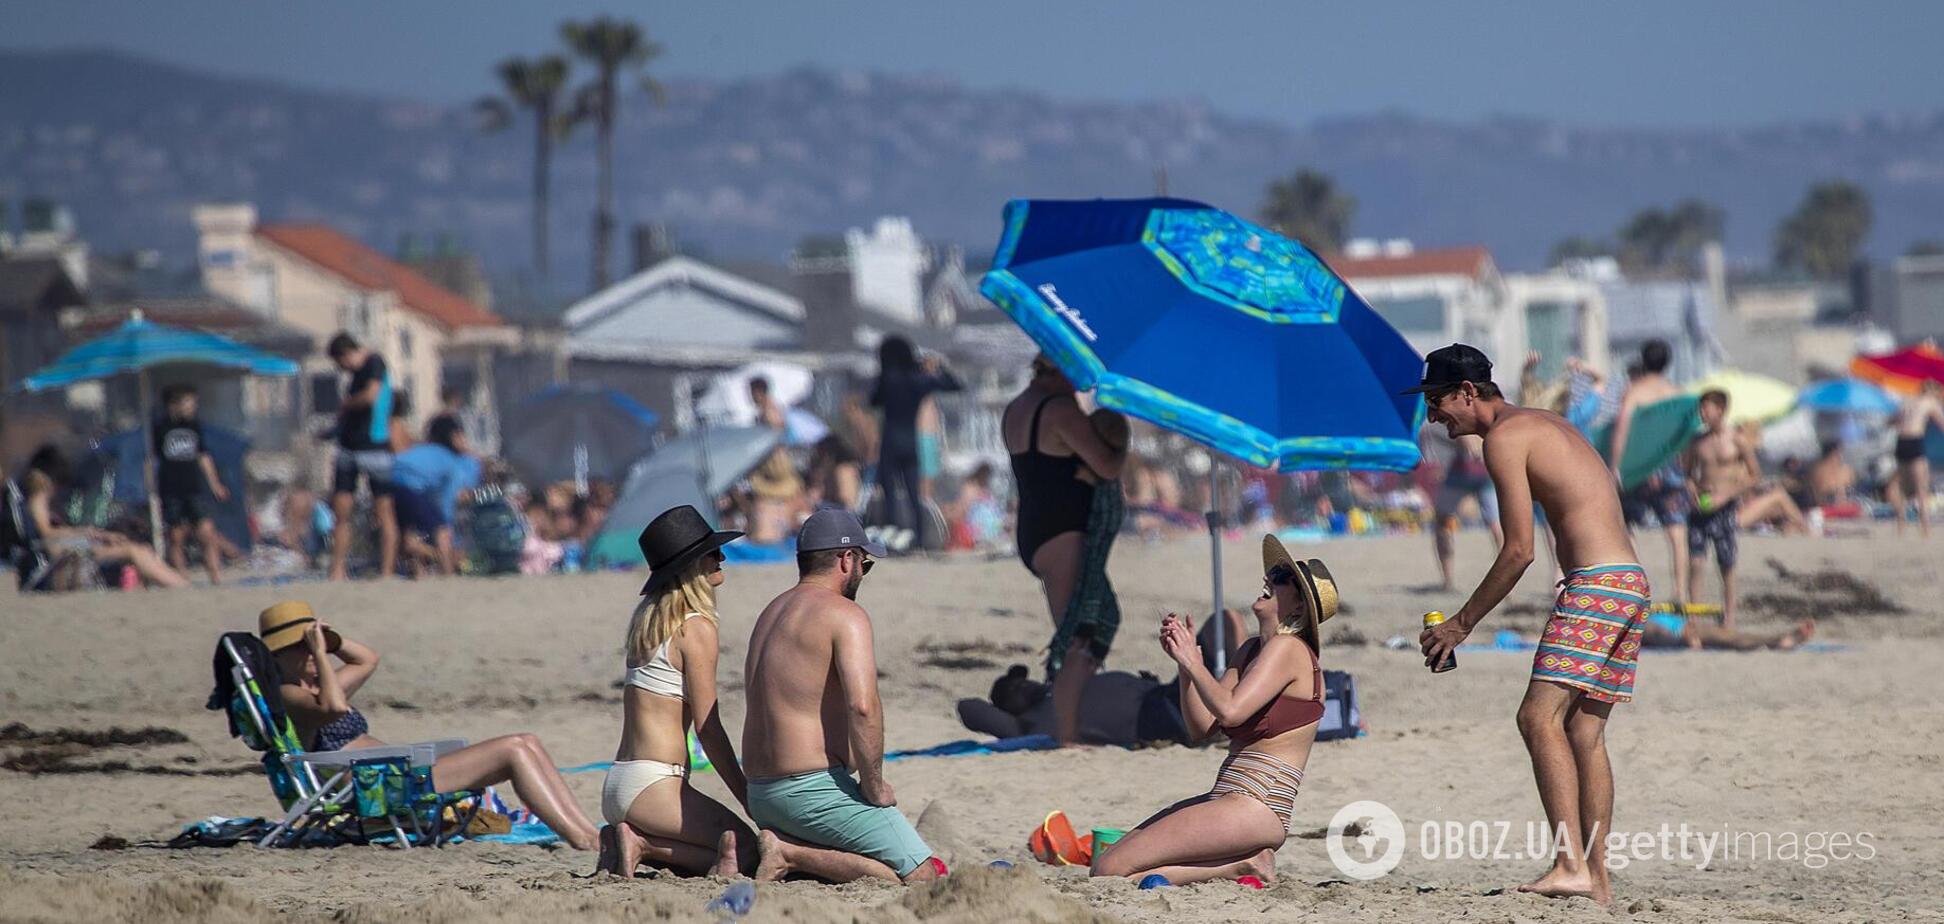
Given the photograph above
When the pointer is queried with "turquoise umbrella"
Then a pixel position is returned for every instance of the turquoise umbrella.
(138, 346)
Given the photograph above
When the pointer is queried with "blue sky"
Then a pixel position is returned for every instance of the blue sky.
(1643, 62)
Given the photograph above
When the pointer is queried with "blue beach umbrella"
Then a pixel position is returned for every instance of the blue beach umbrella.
(1216, 328)
(140, 345)
(1186, 316)
(1847, 396)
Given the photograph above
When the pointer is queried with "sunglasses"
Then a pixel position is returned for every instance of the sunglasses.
(864, 565)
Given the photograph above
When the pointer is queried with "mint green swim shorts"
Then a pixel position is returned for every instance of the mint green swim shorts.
(827, 808)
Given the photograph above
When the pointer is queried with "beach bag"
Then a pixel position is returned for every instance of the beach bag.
(1342, 718)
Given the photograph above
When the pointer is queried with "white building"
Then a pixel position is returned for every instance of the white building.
(1442, 296)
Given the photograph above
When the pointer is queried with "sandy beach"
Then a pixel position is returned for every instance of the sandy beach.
(1784, 744)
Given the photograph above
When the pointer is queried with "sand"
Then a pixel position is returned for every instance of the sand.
(1784, 744)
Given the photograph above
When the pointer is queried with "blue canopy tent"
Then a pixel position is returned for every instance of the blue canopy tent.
(1183, 315)
(139, 346)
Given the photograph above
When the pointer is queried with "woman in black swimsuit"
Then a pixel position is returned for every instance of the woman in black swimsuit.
(1049, 439)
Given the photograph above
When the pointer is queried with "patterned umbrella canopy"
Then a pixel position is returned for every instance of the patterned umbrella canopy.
(1184, 315)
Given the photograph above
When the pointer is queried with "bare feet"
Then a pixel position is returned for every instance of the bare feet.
(725, 865)
(629, 845)
(1558, 883)
(610, 851)
(771, 865)
(1262, 866)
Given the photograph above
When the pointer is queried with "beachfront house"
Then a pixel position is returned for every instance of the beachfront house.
(662, 333)
(1457, 294)
(319, 280)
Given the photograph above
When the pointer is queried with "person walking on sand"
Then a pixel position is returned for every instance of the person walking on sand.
(1721, 467)
(1586, 658)
(651, 810)
(1269, 703)
(814, 719)
(903, 383)
(1912, 481)
(1049, 439)
(185, 473)
(1663, 494)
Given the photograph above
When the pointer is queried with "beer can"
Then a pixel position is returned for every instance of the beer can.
(1451, 659)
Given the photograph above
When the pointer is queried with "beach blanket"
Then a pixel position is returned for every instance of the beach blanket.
(1659, 433)
(961, 748)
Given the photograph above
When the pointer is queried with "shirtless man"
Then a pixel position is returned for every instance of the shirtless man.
(1912, 481)
(1663, 493)
(814, 719)
(1585, 662)
(1721, 466)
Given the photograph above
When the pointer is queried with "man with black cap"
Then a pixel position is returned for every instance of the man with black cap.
(814, 719)
(1585, 662)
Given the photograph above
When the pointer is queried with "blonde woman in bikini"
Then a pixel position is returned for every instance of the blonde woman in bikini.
(1268, 703)
(652, 812)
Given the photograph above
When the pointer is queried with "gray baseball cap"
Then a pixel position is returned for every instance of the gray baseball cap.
(835, 528)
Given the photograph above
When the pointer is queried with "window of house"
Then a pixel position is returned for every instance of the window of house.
(405, 344)
(1423, 315)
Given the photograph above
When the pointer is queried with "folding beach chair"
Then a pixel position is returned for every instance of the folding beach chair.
(33, 561)
(337, 796)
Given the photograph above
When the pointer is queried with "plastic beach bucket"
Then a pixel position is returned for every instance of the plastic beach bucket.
(1105, 837)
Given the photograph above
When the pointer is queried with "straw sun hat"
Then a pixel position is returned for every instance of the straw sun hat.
(284, 625)
(1313, 579)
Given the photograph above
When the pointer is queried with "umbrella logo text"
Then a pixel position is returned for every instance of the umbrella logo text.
(1073, 317)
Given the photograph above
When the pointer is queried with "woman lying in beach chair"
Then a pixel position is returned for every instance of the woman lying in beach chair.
(1269, 703)
(323, 670)
(329, 797)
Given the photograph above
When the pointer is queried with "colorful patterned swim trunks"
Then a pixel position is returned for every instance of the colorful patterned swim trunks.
(1593, 638)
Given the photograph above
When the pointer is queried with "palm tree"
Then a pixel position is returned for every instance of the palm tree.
(533, 84)
(611, 46)
(1308, 207)
(1823, 235)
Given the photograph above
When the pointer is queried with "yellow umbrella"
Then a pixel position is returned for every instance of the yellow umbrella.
(1750, 396)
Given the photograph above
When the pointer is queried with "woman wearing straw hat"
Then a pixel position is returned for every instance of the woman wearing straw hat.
(322, 670)
(1268, 703)
(652, 812)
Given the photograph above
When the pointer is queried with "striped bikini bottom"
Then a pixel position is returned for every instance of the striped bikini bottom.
(1269, 780)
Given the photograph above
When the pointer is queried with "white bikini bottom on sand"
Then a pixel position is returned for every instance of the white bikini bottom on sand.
(626, 779)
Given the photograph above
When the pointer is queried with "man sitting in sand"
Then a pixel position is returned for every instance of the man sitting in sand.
(814, 719)
(1720, 467)
(1585, 662)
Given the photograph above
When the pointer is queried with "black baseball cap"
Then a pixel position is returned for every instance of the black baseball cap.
(835, 528)
(1448, 366)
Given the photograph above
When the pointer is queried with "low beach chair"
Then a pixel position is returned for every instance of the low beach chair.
(339, 796)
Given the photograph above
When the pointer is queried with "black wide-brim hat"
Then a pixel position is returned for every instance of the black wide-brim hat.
(674, 539)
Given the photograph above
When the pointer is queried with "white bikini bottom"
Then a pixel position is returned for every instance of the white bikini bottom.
(626, 779)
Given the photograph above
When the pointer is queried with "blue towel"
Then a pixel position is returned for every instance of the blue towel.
(958, 748)
(534, 831)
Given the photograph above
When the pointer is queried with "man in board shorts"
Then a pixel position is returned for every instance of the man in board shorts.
(813, 736)
(1585, 662)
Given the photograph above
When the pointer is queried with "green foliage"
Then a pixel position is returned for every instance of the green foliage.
(1824, 234)
(1309, 207)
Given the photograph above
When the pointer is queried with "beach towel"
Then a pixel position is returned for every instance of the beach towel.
(1659, 433)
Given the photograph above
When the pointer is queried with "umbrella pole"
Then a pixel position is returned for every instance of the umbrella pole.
(1215, 559)
(148, 464)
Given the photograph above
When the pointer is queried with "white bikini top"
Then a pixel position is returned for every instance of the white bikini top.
(659, 676)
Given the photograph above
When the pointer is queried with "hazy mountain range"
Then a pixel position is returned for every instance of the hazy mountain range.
(745, 168)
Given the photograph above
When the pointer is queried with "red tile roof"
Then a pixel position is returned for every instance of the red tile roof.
(369, 269)
(1449, 261)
